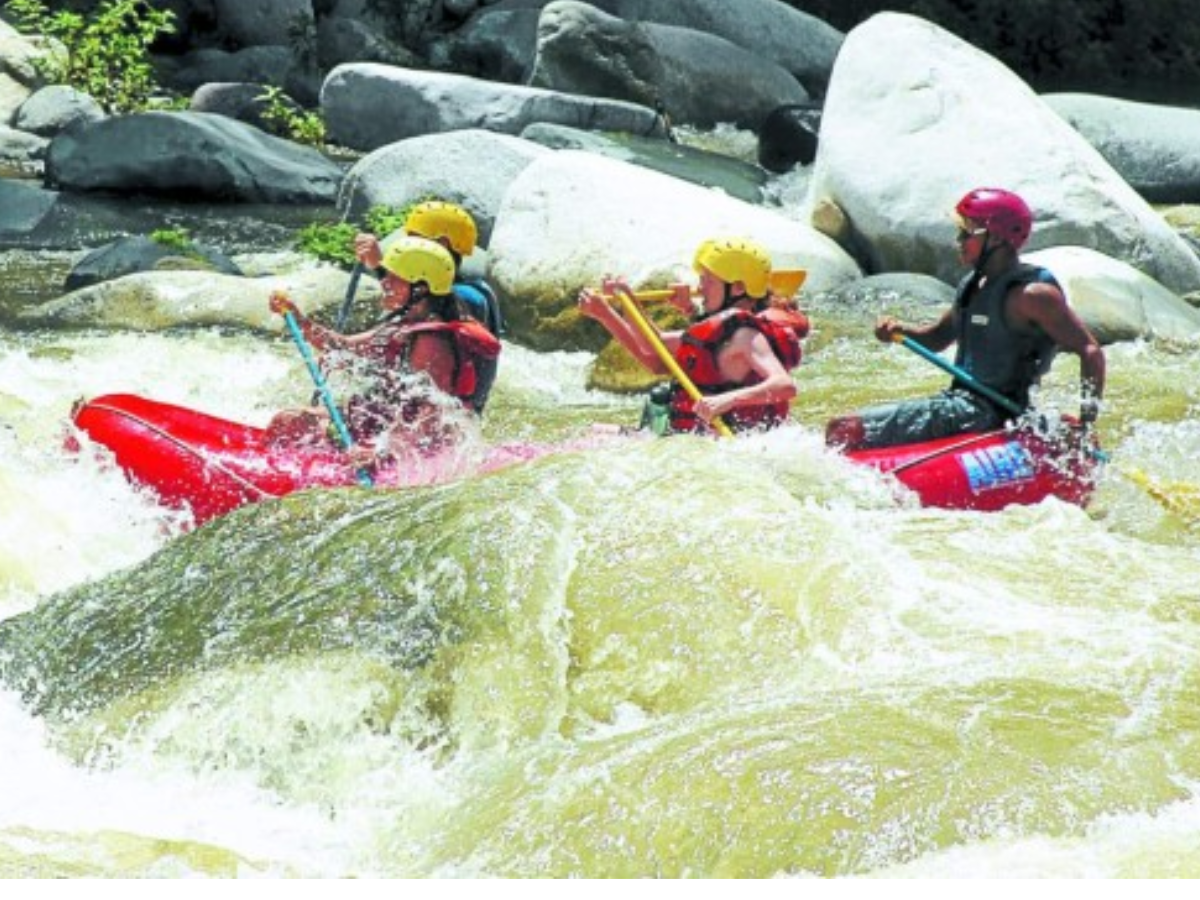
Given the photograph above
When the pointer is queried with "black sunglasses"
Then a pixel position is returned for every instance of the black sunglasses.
(964, 235)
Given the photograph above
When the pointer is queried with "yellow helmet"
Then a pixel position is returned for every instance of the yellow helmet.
(417, 259)
(435, 220)
(736, 259)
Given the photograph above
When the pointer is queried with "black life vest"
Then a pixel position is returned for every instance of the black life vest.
(1008, 361)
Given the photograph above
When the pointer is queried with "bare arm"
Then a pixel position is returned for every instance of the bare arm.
(1044, 306)
(319, 336)
(748, 351)
(596, 306)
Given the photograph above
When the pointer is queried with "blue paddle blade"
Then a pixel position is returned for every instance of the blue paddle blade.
(335, 415)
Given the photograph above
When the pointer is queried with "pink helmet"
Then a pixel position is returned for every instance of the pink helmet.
(1005, 215)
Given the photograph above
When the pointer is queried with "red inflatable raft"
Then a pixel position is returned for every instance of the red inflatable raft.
(987, 471)
(211, 466)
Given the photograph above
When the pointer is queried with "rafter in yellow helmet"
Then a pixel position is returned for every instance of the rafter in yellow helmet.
(436, 219)
(419, 259)
(736, 259)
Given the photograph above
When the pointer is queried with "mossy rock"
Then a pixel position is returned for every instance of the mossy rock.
(128, 255)
(1183, 218)
(550, 323)
(617, 372)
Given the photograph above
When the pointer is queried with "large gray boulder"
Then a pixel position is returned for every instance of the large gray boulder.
(18, 76)
(189, 154)
(1115, 300)
(22, 208)
(18, 57)
(498, 40)
(472, 168)
(368, 105)
(154, 301)
(713, 170)
(1155, 148)
(22, 151)
(695, 78)
(242, 101)
(341, 39)
(137, 253)
(572, 217)
(265, 64)
(496, 44)
(12, 94)
(905, 134)
(245, 24)
(49, 110)
(800, 43)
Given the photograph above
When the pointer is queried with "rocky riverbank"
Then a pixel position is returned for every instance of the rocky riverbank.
(572, 173)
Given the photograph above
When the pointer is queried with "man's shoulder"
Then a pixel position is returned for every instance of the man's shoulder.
(1040, 284)
(1036, 301)
(1028, 275)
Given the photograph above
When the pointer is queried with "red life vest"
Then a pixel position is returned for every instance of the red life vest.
(370, 413)
(472, 343)
(697, 356)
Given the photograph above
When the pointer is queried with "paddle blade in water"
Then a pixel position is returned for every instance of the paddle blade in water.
(1177, 497)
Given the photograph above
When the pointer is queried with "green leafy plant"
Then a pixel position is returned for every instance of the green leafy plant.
(169, 104)
(287, 119)
(178, 240)
(173, 238)
(385, 219)
(334, 241)
(104, 54)
(329, 241)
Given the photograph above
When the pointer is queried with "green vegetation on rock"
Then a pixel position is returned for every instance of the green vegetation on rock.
(104, 54)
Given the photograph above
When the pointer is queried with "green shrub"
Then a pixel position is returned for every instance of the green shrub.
(105, 54)
(180, 242)
(173, 238)
(302, 127)
(329, 241)
(334, 241)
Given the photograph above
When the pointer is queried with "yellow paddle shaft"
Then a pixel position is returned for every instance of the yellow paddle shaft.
(784, 282)
(656, 295)
(634, 314)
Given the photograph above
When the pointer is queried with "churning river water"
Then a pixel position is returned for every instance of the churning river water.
(652, 658)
